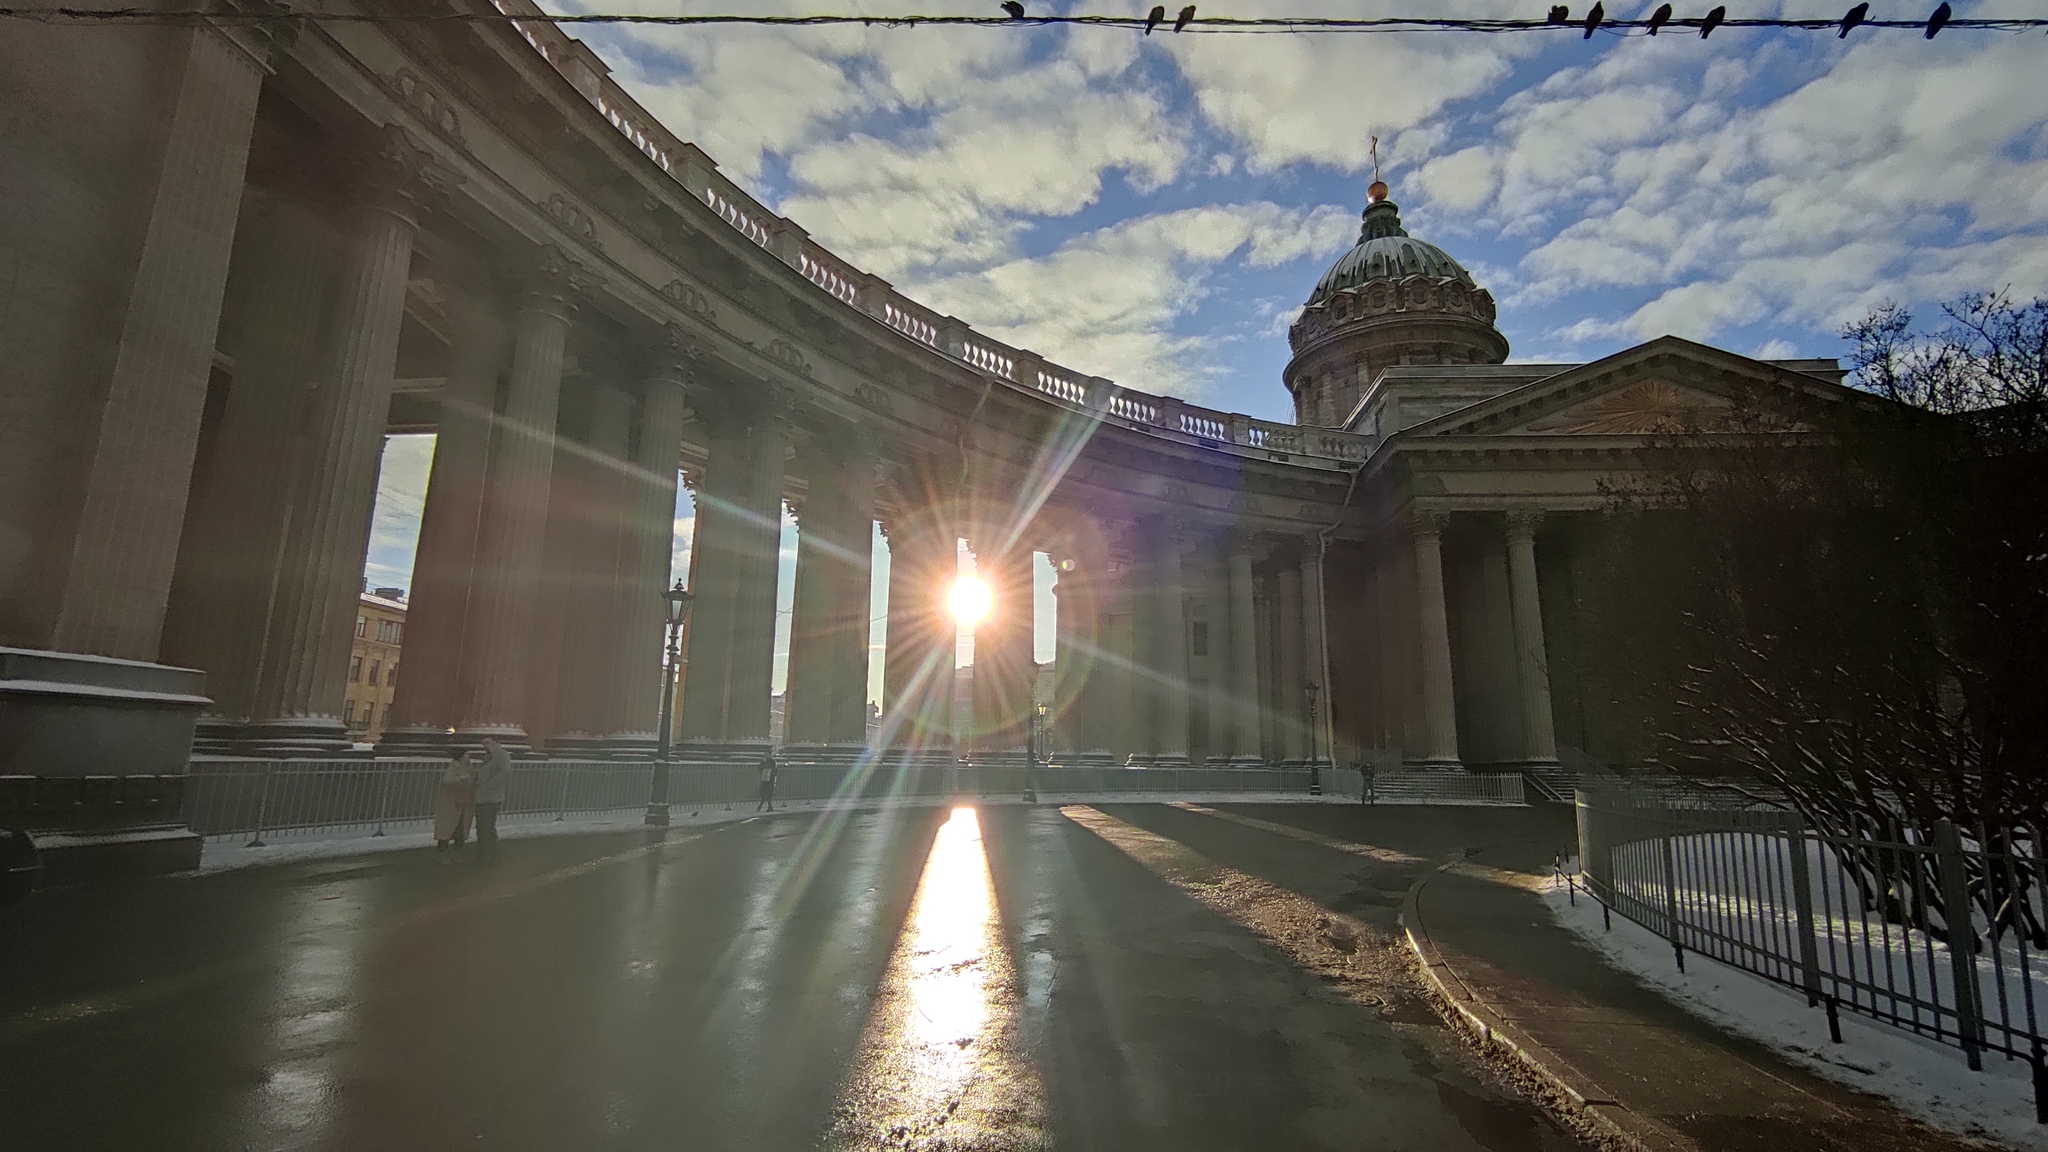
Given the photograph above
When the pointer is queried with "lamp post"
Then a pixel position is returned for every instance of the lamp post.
(1315, 764)
(1040, 748)
(678, 599)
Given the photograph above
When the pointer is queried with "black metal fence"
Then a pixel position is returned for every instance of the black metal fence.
(1935, 931)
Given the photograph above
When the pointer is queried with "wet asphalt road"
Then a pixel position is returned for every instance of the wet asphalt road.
(1126, 977)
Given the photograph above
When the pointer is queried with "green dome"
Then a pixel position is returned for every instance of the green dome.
(1385, 251)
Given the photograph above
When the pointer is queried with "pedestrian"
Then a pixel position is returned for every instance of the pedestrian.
(456, 802)
(490, 796)
(767, 782)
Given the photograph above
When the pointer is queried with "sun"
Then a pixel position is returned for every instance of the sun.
(969, 600)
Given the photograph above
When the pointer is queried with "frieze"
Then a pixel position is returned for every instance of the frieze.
(431, 105)
(789, 356)
(688, 299)
(871, 397)
(572, 217)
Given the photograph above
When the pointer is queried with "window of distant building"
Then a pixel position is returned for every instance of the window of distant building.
(355, 669)
(1200, 644)
(387, 631)
(362, 625)
(391, 675)
(375, 666)
(348, 711)
(369, 714)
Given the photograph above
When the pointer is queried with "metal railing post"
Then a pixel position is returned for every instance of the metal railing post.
(262, 807)
(1671, 898)
(1962, 939)
(383, 800)
(1802, 907)
(562, 799)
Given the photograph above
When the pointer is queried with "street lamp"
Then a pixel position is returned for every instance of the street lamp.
(1039, 748)
(678, 599)
(1315, 764)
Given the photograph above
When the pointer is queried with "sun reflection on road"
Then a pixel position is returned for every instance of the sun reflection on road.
(939, 1064)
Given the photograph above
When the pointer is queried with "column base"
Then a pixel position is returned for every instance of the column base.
(1246, 762)
(1433, 764)
(93, 754)
(296, 737)
(509, 737)
(419, 743)
(719, 751)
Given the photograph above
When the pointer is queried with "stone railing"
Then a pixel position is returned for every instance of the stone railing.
(699, 175)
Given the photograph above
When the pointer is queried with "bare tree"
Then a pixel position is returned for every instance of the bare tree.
(1849, 602)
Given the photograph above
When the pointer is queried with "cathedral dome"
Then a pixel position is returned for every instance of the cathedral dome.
(1385, 251)
(1391, 300)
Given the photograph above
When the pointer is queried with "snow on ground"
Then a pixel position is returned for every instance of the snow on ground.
(1929, 1080)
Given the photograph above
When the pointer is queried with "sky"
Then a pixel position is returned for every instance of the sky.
(1155, 209)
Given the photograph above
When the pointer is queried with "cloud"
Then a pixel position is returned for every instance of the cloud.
(1320, 99)
(1889, 168)
(1106, 302)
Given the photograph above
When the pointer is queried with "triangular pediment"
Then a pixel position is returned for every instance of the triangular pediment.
(1665, 387)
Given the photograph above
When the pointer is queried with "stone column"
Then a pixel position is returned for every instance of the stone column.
(1291, 735)
(1003, 666)
(583, 683)
(429, 698)
(1317, 729)
(1168, 646)
(1077, 630)
(918, 659)
(312, 620)
(642, 610)
(242, 485)
(807, 700)
(1241, 663)
(1439, 701)
(759, 533)
(125, 551)
(1532, 667)
(1122, 704)
(854, 593)
(715, 559)
(513, 537)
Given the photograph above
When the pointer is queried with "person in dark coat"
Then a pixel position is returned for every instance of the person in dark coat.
(768, 773)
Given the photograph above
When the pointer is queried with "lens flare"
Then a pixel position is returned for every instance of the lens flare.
(969, 600)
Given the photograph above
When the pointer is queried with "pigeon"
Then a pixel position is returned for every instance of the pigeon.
(1939, 18)
(1186, 14)
(1658, 17)
(1013, 9)
(1593, 19)
(1851, 19)
(1559, 14)
(1153, 18)
(1713, 20)
(1337, 934)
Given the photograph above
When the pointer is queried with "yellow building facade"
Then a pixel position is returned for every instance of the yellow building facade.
(373, 663)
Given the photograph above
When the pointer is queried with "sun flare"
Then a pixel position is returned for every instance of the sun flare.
(969, 600)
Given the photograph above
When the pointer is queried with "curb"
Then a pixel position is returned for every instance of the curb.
(1577, 1100)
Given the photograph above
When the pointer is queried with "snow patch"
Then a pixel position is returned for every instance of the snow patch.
(1928, 1080)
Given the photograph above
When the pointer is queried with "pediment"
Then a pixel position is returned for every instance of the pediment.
(1668, 386)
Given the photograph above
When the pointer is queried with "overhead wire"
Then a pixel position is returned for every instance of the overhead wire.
(1198, 25)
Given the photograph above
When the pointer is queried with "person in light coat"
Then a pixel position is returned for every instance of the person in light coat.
(456, 802)
(491, 779)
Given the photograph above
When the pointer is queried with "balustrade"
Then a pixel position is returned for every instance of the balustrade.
(867, 294)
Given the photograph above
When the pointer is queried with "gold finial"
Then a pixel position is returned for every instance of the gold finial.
(1377, 190)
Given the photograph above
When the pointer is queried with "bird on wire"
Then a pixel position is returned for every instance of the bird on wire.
(1658, 17)
(1939, 18)
(1186, 14)
(1013, 10)
(1593, 19)
(1153, 18)
(1559, 14)
(1713, 20)
(1852, 18)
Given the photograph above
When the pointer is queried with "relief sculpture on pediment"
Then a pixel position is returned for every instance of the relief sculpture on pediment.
(1651, 407)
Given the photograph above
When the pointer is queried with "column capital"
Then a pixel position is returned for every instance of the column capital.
(258, 29)
(1523, 523)
(557, 282)
(1428, 521)
(398, 176)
